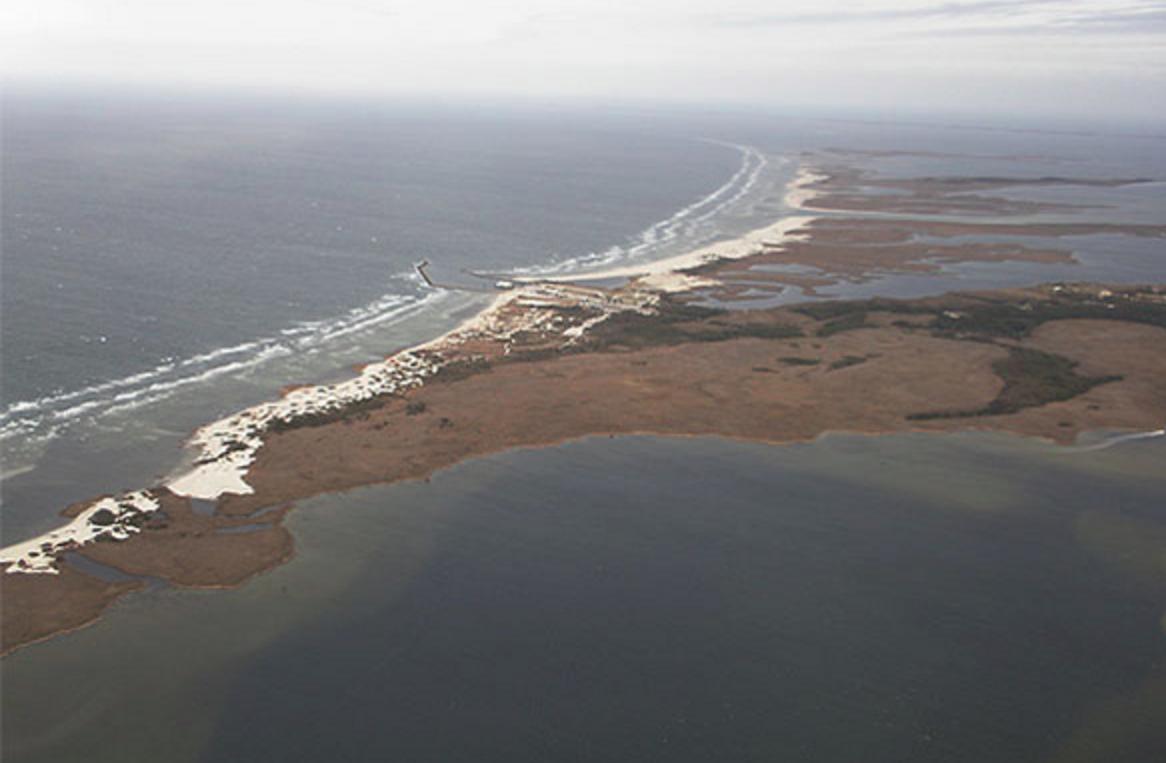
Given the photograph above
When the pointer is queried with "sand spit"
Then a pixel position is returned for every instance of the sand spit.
(802, 190)
(559, 314)
(564, 361)
(559, 311)
(667, 276)
(782, 374)
(112, 518)
(554, 312)
(226, 448)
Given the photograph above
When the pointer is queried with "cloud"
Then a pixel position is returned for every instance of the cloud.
(967, 53)
(940, 11)
(987, 16)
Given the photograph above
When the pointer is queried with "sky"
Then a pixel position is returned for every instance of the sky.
(1028, 58)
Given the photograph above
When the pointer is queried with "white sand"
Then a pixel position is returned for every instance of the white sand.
(226, 448)
(799, 192)
(38, 556)
(664, 275)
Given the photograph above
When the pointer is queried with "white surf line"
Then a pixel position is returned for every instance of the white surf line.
(115, 518)
(666, 274)
(226, 449)
(750, 175)
(23, 416)
(16, 472)
(750, 181)
(666, 230)
(691, 224)
(1115, 440)
(670, 226)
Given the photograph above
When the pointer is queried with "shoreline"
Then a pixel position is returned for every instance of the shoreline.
(623, 412)
(559, 360)
(665, 275)
(668, 276)
(218, 455)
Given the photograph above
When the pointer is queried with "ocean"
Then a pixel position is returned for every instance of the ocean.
(168, 260)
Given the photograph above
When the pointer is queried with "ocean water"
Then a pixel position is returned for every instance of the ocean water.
(904, 598)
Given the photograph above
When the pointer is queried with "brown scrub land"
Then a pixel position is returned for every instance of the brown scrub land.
(853, 190)
(37, 607)
(177, 545)
(1006, 361)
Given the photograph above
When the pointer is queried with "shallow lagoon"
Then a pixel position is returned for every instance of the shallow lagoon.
(964, 597)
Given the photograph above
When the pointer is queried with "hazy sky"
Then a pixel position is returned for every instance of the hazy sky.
(1028, 57)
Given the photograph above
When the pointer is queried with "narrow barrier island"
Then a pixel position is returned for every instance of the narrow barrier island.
(663, 353)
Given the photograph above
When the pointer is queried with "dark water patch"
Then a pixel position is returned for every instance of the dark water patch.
(242, 529)
(203, 507)
(879, 599)
(97, 569)
(694, 600)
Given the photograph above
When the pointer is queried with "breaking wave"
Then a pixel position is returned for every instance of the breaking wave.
(30, 424)
(27, 426)
(686, 224)
(1110, 441)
